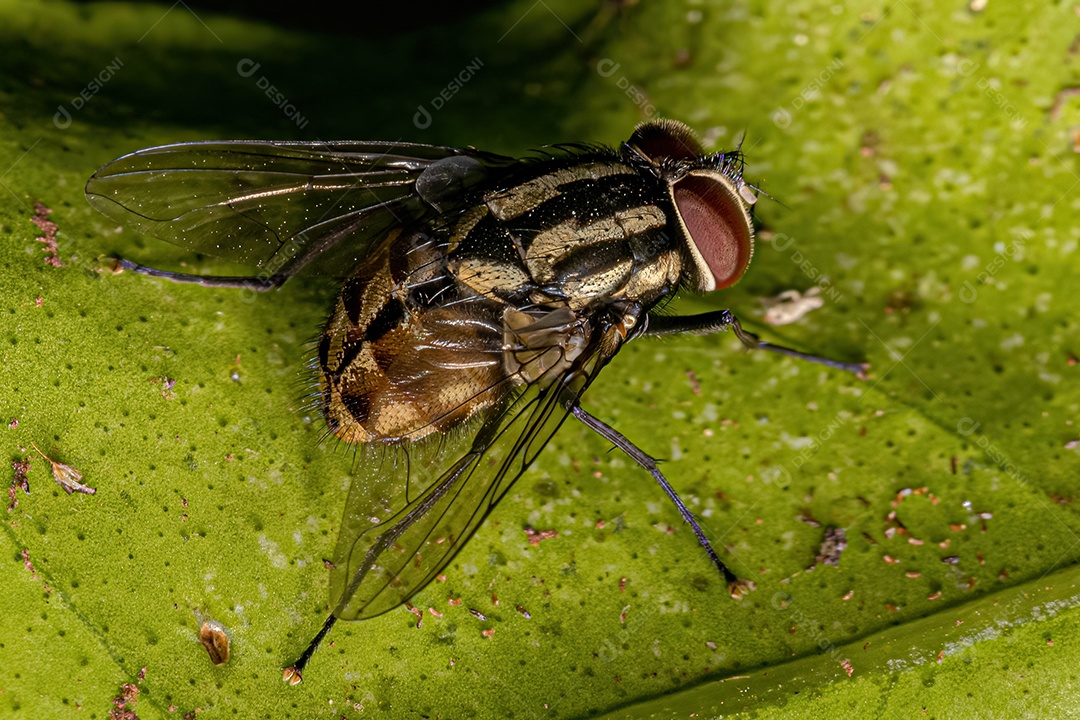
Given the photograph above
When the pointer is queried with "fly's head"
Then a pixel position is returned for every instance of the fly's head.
(711, 201)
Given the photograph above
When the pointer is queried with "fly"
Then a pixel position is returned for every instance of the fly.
(480, 297)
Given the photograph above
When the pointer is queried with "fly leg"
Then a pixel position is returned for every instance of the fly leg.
(294, 673)
(720, 320)
(735, 586)
(258, 282)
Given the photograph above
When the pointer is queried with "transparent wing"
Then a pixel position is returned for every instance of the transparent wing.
(413, 510)
(269, 204)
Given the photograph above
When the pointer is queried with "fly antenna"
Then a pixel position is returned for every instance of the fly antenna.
(758, 191)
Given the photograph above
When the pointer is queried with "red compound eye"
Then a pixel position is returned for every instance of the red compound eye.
(718, 225)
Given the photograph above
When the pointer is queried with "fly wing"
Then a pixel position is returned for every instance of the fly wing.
(411, 513)
(285, 204)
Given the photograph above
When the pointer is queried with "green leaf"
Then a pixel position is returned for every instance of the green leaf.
(923, 160)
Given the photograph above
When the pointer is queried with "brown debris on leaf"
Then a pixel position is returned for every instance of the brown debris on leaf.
(66, 476)
(18, 481)
(213, 638)
(49, 228)
(538, 536)
(695, 384)
(124, 703)
(25, 554)
(832, 544)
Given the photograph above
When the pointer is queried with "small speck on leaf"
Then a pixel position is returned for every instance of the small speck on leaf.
(18, 481)
(25, 553)
(538, 536)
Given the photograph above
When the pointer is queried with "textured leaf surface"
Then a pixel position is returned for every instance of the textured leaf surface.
(925, 155)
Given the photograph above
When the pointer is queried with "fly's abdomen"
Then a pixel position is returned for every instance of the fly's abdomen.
(403, 356)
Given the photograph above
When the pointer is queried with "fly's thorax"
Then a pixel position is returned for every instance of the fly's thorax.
(581, 233)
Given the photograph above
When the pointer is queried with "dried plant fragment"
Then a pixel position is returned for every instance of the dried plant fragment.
(66, 476)
(695, 384)
(213, 638)
(791, 305)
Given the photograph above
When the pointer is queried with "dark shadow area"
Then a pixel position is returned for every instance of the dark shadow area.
(450, 78)
(369, 20)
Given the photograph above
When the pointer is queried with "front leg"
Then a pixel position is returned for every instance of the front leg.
(721, 320)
